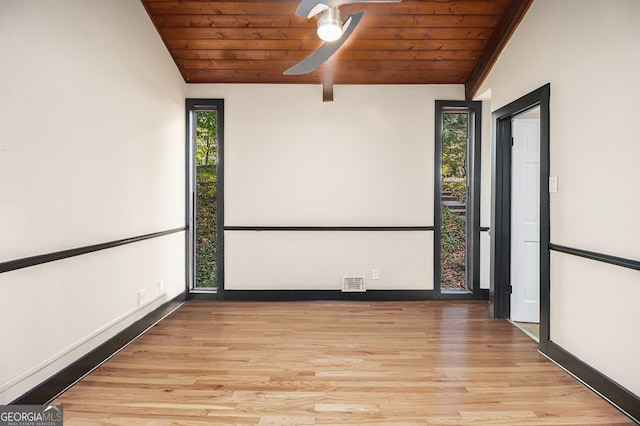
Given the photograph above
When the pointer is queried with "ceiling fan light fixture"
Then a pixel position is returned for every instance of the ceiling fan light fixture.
(330, 25)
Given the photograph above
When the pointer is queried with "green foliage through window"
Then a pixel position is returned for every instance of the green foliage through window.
(452, 275)
(206, 138)
(454, 144)
(456, 187)
(206, 199)
(454, 172)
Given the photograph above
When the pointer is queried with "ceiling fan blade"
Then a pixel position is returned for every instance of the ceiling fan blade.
(309, 8)
(324, 52)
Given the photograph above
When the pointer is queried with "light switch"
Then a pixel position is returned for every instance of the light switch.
(553, 184)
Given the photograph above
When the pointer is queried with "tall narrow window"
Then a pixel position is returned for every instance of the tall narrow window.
(206, 199)
(457, 199)
(205, 214)
(455, 137)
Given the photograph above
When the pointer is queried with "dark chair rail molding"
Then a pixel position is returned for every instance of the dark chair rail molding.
(26, 262)
(328, 228)
(600, 257)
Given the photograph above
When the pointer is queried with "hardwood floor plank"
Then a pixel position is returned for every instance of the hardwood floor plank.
(338, 363)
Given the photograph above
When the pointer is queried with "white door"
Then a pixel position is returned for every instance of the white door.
(525, 217)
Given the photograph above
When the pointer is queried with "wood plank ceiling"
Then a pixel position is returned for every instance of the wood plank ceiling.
(412, 42)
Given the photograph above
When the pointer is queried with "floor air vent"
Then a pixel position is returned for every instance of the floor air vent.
(353, 284)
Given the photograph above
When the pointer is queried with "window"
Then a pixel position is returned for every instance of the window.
(205, 214)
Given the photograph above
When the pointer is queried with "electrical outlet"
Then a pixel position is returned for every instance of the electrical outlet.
(160, 286)
(375, 274)
(141, 296)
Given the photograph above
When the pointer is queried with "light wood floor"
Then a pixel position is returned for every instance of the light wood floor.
(530, 328)
(338, 363)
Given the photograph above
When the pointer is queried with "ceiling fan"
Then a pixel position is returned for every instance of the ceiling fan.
(330, 29)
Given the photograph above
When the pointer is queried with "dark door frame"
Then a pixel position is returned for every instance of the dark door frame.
(474, 108)
(499, 292)
(192, 106)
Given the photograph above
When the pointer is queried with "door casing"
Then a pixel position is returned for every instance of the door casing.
(499, 292)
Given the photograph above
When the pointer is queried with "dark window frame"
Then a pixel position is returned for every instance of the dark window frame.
(193, 106)
(474, 108)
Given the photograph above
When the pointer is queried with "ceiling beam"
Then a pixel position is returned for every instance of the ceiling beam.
(494, 46)
(327, 83)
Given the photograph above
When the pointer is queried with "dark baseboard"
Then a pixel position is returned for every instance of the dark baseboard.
(609, 389)
(304, 295)
(51, 388)
(310, 295)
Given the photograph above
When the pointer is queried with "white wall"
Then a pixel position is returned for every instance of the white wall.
(313, 260)
(292, 160)
(588, 51)
(91, 151)
(485, 195)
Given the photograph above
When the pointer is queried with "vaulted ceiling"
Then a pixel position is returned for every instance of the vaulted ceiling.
(412, 42)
